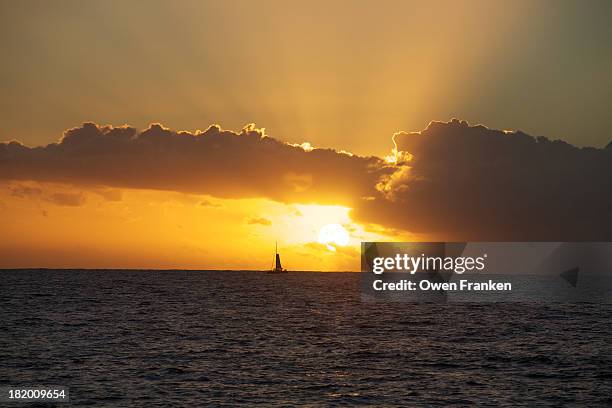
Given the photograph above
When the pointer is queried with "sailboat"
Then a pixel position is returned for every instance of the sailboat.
(277, 264)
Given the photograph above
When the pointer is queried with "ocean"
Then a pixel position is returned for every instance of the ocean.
(213, 338)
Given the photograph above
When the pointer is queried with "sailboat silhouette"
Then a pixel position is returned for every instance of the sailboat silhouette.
(278, 268)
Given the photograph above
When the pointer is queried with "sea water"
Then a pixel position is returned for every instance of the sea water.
(202, 338)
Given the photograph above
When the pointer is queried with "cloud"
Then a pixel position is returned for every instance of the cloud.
(214, 162)
(258, 221)
(22, 191)
(208, 203)
(461, 182)
(70, 199)
(67, 199)
(110, 194)
(451, 181)
(319, 248)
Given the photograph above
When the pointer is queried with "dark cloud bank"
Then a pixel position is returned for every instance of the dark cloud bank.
(452, 181)
(216, 162)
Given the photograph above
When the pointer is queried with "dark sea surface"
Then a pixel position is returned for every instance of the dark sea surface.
(208, 338)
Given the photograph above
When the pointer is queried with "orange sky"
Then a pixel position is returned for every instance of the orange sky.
(117, 197)
(181, 208)
(54, 225)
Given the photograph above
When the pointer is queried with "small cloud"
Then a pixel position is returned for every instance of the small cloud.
(67, 199)
(295, 211)
(25, 191)
(208, 203)
(258, 221)
(331, 248)
(59, 198)
(110, 194)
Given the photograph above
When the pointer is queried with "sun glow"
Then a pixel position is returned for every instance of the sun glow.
(332, 235)
(171, 230)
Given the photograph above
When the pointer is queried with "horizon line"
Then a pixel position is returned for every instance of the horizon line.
(162, 270)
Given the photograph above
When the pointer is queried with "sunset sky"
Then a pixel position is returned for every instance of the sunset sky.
(205, 189)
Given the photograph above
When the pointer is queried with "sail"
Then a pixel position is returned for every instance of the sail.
(278, 266)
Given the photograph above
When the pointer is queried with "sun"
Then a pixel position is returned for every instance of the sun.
(333, 235)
